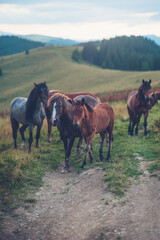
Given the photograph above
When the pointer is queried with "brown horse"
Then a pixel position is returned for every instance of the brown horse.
(51, 97)
(154, 97)
(62, 116)
(137, 104)
(99, 119)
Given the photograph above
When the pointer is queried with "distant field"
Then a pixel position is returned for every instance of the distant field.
(55, 66)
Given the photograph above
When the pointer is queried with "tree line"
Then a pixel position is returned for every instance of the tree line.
(121, 53)
(12, 44)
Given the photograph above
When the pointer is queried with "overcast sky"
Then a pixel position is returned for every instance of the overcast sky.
(81, 19)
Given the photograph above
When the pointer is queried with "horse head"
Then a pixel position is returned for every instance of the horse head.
(153, 99)
(79, 111)
(58, 107)
(144, 91)
(42, 91)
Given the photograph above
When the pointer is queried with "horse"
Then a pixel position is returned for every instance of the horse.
(137, 104)
(91, 120)
(29, 112)
(48, 112)
(154, 97)
(62, 116)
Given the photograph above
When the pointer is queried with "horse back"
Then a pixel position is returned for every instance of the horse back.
(131, 101)
(18, 109)
(105, 117)
(88, 99)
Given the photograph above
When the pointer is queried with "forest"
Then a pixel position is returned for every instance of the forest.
(12, 44)
(121, 53)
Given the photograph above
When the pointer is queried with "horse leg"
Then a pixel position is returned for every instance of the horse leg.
(101, 146)
(49, 130)
(145, 123)
(30, 140)
(22, 129)
(110, 144)
(79, 151)
(67, 154)
(15, 126)
(86, 154)
(130, 120)
(90, 154)
(137, 123)
(38, 134)
(130, 127)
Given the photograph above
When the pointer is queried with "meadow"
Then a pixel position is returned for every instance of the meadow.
(55, 66)
(21, 174)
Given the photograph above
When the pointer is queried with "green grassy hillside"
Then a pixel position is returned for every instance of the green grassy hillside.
(54, 65)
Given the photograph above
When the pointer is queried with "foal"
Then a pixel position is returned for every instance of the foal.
(99, 119)
(137, 104)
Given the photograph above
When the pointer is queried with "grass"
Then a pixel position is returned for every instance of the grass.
(55, 66)
(22, 174)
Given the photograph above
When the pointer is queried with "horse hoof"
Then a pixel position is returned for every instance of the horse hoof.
(79, 152)
(97, 145)
(107, 159)
(65, 170)
(23, 146)
(48, 143)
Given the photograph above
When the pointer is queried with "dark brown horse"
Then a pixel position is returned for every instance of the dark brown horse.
(62, 115)
(137, 104)
(51, 97)
(154, 97)
(99, 119)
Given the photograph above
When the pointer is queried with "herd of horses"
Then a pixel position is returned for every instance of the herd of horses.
(79, 115)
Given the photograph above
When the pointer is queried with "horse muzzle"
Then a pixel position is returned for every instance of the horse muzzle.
(75, 126)
(54, 122)
(147, 99)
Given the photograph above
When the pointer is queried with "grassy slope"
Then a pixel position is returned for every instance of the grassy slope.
(54, 65)
(18, 170)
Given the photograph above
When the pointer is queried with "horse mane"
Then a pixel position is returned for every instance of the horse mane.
(56, 95)
(31, 104)
(89, 108)
(140, 93)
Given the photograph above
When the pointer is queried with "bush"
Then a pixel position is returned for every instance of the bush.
(76, 56)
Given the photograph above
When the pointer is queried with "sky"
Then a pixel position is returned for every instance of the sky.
(81, 20)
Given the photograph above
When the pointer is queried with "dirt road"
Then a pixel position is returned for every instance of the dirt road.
(76, 207)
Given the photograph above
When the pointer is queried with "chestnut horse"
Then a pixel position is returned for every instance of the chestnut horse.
(62, 115)
(154, 97)
(137, 104)
(99, 119)
(48, 112)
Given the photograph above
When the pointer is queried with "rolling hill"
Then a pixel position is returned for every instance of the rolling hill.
(54, 65)
(50, 40)
(12, 44)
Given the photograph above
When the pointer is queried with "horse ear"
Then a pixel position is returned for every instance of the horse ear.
(35, 85)
(83, 101)
(150, 81)
(70, 101)
(143, 81)
(45, 82)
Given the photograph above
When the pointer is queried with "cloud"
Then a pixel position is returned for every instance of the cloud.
(68, 12)
(80, 20)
